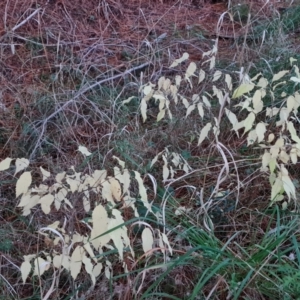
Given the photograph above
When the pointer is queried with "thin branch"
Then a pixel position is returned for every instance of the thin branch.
(81, 92)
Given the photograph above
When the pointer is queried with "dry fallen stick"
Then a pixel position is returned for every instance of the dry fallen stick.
(18, 26)
(79, 93)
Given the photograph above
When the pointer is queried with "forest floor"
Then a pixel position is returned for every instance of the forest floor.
(65, 68)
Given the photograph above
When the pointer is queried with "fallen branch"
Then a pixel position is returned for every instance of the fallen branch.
(79, 93)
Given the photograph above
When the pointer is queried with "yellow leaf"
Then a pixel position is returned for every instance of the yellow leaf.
(166, 171)
(297, 101)
(292, 59)
(206, 102)
(21, 164)
(86, 201)
(217, 75)
(204, 133)
(89, 268)
(242, 89)
(66, 260)
(263, 82)
(100, 225)
(45, 173)
(97, 269)
(295, 79)
(144, 109)
(260, 131)
(25, 270)
(290, 103)
(288, 185)
(266, 159)
(84, 151)
(147, 239)
(147, 90)
(293, 155)
(212, 61)
(293, 132)
(248, 122)
(5, 164)
(40, 266)
(166, 84)
(107, 193)
(252, 136)
(60, 176)
(142, 189)
(161, 115)
(201, 76)
(166, 241)
(184, 57)
(107, 273)
(219, 95)
(99, 176)
(176, 159)
(115, 188)
(160, 82)
(284, 114)
(279, 75)
(272, 164)
(74, 184)
(88, 248)
(284, 157)
(256, 77)
(271, 137)
(124, 178)
(232, 117)
(228, 81)
(257, 102)
(76, 261)
(120, 162)
(200, 110)
(118, 235)
(177, 80)
(128, 100)
(46, 202)
(276, 189)
(190, 70)
(57, 261)
(23, 184)
(154, 160)
(185, 102)
(27, 199)
(34, 200)
(190, 109)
